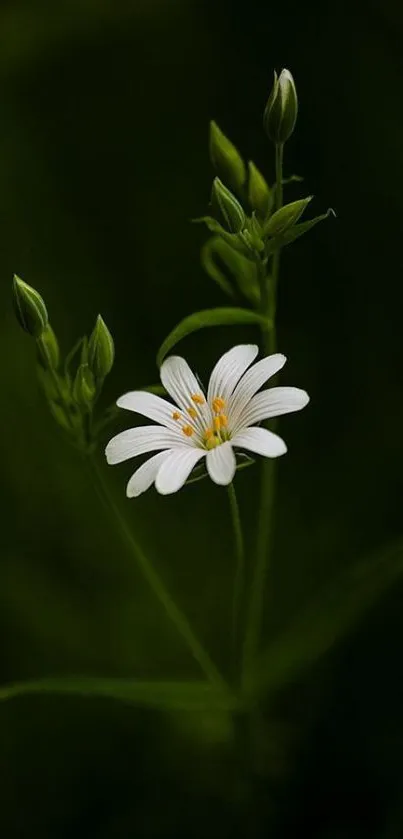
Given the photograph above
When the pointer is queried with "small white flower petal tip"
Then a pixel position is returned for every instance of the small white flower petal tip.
(198, 424)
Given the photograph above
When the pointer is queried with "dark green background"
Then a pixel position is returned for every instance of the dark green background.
(104, 108)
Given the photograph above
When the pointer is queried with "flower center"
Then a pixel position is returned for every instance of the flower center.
(193, 421)
(218, 433)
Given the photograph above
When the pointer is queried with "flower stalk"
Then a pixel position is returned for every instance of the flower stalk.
(267, 493)
(159, 589)
(239, 577)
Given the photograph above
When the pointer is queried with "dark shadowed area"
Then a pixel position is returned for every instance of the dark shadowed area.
(104, 112)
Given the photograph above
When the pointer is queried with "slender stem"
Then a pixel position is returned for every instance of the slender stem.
(172, 610)
(269, 342)
(239, 579)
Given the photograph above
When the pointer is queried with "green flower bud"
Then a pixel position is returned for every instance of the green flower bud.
(101, 350)
(84, 387)
(259, 195)
(226, 159)
(29, 308)
(286, 217)
(48, 349)
(227, 207)
(281, 110)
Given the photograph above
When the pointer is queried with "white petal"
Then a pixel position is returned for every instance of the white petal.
(181, 384)
(251, 382)
(221, 464)
(178, 380)
(176, 469)
(260, 441)
(134, 441)
(151, 406)
(272, 403)
(142, 479)
(229, 369)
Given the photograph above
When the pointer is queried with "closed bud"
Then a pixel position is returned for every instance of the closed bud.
(84, 387)
(226, 159)
(48, 349)
(227, 207)
(29, 308)
(101, 350)
(259, 195)
(281, 111)
(286, 217)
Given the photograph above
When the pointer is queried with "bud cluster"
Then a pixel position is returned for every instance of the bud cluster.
(245, 221)
(71, 396)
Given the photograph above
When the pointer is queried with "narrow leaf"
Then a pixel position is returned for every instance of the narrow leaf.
(208, 253)
(243, 270)
(174, 696)
(295, 232)
(206, 318)
(325, 621)
(234, 239)
(300, 229)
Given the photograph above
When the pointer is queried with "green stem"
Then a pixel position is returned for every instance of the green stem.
(239, 579)
(269, 345)
(158, 587)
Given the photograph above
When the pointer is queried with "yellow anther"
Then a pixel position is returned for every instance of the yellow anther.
(223, 421)
(192, 412)
(212, 442)
(188, 430)
(176, 415)
(217, 423)
(218, 404)
(198, 398)
(208, 433)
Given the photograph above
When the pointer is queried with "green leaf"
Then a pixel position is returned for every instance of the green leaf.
(242, 269)
(236, 240)
(286, 217)
(174, 696)
(207, 318)
(300, 229)
(211, 249)
(292, 179)
(324, 621)
(295, 232)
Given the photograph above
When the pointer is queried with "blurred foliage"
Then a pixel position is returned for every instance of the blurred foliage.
(104, 114)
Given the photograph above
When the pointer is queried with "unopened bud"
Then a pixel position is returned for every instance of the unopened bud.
(227, 207)
(286, 217)
(259, 195)
(281, 110)
(84, 387)
(226, 159)
(29, 308)
(48, 349)
(101, 350)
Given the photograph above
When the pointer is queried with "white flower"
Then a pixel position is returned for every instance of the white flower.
(200, 425)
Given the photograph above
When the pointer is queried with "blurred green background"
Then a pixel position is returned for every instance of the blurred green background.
(104, 110)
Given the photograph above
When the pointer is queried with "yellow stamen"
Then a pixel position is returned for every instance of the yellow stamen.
(208, 433)
(223, 421)
(218, 404)
(212, 442)
(176, 415)
(188, 430)
(217, 423)
(192, 412)
(198, 398)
